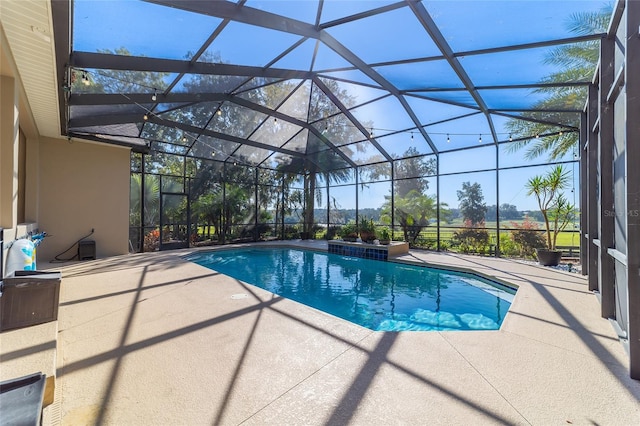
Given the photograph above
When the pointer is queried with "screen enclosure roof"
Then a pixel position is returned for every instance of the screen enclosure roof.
(335, 83)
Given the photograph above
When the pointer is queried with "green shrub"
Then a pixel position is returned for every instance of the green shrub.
(349, 230)
(508, 247)
(317, 232)
(384, 234)
(527, 237)
(471, 239)
(291, 232)
(332, 232)
(367, 229)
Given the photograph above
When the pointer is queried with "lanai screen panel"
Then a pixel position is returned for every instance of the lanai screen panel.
(374, 79)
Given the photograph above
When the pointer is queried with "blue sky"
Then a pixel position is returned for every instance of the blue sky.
(151, 30)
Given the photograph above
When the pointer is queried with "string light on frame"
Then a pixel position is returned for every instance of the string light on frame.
(373, 131)
(501, 137)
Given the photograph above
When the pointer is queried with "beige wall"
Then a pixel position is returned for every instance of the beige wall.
(83, 185)
(69, 187)
(8, 152)
(18, 161)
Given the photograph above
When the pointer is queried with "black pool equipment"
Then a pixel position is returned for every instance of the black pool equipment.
(86, 250)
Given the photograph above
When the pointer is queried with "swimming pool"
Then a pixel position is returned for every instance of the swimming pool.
(383, 296)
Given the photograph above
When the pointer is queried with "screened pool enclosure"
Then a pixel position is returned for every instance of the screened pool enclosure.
(257, 120)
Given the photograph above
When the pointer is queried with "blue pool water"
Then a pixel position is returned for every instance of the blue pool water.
(379, 295)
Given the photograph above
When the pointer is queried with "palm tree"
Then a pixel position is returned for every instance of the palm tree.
(555, 208)
(578, 63)
(209, 208)
(320, 160)
(236, 207)
(151, 201)
(322, 163)
(412, 212)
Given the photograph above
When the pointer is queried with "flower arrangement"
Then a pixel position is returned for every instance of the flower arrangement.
(152, 240)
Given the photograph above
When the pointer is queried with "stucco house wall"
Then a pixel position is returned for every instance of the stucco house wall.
(83, 186)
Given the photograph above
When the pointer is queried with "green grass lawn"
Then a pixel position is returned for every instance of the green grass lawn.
(565, 238)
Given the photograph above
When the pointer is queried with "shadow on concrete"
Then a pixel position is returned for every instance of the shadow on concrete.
(573, 323)
(362, 380)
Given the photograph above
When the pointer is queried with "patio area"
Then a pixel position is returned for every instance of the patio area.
(154, 339)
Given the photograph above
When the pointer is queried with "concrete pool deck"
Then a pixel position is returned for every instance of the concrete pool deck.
(153, 339)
